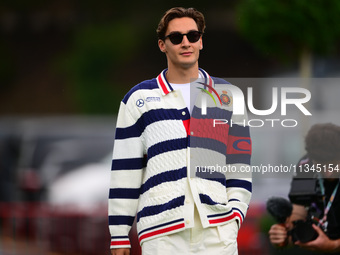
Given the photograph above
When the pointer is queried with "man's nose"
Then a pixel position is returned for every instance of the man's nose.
(185, 41)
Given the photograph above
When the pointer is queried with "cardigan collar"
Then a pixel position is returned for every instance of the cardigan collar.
(165, 86)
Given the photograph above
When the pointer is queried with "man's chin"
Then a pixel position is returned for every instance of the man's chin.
(188, 65)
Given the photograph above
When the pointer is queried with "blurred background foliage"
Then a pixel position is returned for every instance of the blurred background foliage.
(81, 57)
(7, 70)
(286, 27)
(96, 52)
(291, 29)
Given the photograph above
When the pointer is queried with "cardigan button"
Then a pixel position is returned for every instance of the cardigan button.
(187, 221)
(183, 113)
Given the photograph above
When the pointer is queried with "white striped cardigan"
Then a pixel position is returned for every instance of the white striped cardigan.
(150, 168)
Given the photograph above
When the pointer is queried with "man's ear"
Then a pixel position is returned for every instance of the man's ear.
(201, 44)
(161, 45)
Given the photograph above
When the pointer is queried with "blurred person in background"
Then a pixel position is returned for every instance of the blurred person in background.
(321, 210)
(176, 214)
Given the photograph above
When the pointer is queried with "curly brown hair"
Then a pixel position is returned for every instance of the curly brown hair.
(322, 143)
(180, 12)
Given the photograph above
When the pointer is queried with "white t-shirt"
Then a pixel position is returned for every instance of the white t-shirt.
(185, 90)
(189, 94)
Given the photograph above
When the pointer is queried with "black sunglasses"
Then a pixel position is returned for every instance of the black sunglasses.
(177, 37)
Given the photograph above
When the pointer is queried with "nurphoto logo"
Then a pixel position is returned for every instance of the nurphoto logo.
(238, 104)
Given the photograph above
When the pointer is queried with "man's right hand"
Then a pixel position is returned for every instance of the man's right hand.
(278, 235)
(120, 251)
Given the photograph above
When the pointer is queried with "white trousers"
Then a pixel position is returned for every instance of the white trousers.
(218, 240)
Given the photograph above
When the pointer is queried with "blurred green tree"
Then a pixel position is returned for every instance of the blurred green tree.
(97, 53)
(7, 67)
(291, 29)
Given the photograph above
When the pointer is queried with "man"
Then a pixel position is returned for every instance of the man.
(151, 177)
(323, 162)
